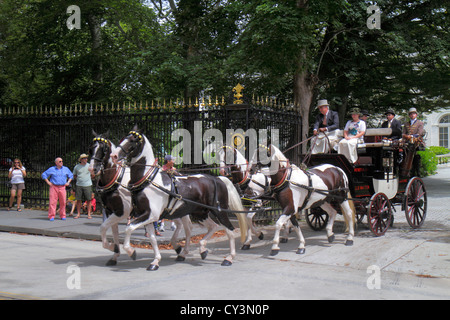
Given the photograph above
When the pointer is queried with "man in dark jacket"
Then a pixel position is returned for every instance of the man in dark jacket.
(327, 123)
(394, 124)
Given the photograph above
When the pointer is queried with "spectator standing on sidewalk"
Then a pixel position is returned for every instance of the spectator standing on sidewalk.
(83, 184)
(17, 173)
(58, 178)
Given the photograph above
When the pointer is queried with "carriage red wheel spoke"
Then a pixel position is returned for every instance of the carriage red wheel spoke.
(416, 202)
(379, 213)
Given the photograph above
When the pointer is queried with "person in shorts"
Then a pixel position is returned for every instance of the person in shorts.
(17, 173)
(83, 186)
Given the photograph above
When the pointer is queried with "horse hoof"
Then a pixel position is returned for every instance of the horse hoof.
(274, 252)
(226, 263)
(111, 262)
(261, 236)
(301, 251)
(331, 239)
(349, 243)
(152, 267)
(245, 247)
(178, 250)
(116, 249)
(133, 256)
(180, 258)
(283, 240)
(204, 254)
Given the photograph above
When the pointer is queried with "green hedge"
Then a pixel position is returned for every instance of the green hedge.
(430, 160)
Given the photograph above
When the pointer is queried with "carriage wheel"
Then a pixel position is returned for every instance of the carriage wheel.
(416, 203)
(379, 213)
(316, 218)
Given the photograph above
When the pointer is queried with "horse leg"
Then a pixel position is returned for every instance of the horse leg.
(212, 227)
(173, 240)
(298, 231)
(155, 263)
(349, 218)
(187, 225)
(112, 221)
(286, 231)
(332, 216)
(276, 238)
(228, 261)
(250, 230)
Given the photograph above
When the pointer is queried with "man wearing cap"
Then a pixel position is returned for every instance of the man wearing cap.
(326, 124)
(168, 165)
(414, 127)
(83, 184)
(392, 123)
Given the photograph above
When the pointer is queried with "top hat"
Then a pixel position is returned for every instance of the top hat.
(411, 110)
(389, 111)
(321, 103)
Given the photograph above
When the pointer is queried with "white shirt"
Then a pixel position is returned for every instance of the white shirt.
(17, 175)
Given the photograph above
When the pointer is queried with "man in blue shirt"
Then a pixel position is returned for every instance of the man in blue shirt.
(58, 178)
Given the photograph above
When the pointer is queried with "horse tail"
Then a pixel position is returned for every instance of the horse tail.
(234, 203)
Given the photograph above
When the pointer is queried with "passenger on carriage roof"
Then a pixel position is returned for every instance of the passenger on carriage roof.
(392, 123)
(354, 129)
(327, 123)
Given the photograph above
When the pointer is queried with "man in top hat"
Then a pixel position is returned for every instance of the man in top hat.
(83, 185)
(326, 124)
(414, 127)
(392, 123)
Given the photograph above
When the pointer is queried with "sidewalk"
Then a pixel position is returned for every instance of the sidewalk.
(36, 222)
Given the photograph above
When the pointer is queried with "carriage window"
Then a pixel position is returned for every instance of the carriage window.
(444, 134)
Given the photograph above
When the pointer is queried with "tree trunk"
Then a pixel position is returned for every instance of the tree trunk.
(97, 63)
(303, 95)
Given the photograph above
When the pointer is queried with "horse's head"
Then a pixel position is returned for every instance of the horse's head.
(130, 147)
(258, 185)
(99, 151)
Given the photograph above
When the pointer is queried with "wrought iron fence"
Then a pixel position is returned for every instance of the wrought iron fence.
(37, 135)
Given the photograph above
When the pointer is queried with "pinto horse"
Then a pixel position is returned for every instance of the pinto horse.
(157, 195)
(241, 175)
(115, 197)
(297, 189)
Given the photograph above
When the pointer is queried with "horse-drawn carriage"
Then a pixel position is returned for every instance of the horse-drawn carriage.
(381, 178)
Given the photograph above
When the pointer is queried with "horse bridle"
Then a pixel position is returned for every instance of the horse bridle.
(140, 141)
(107, 144)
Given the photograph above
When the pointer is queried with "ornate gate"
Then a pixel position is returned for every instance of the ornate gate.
(37, 135)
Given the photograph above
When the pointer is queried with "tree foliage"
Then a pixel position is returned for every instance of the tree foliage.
(300, 49)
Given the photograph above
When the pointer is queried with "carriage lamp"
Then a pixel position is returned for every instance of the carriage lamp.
(388, 164)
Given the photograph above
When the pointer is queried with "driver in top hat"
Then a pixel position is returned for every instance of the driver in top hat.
(327, 123)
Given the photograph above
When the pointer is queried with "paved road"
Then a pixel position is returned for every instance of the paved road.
(403, 264)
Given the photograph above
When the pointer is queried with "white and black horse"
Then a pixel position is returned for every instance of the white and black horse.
(158, 195)
(116, 198)
(111, 185)
(232, 161)
(296, 189)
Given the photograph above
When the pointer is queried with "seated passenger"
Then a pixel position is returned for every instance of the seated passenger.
(326, 124)
(354, 129)
(394, 124)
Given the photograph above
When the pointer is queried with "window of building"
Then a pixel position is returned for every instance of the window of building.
(444, 132)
